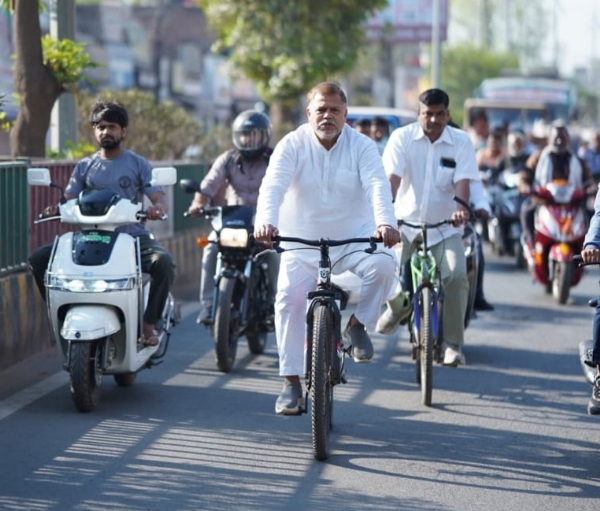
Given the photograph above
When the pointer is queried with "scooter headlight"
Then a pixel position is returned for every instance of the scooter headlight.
(90, 285)
(233, 238)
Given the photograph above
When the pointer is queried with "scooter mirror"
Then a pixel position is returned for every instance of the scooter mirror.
(162, 176)
(38, 176)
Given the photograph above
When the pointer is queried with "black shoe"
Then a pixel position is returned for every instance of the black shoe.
(483, 305)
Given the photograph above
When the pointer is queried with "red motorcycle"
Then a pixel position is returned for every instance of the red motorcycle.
(560, 228)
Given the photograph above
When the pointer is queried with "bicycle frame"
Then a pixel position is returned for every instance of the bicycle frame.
(425, 273)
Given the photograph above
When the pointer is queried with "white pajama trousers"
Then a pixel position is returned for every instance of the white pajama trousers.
(298, 275)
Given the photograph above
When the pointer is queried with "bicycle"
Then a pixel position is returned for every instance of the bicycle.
(425, 323)
(324, 359)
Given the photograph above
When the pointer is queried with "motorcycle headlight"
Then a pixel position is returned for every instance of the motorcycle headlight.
(234, 238)
(89, 285)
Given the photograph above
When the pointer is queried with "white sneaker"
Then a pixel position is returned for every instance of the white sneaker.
(453, 356)
(397, 310)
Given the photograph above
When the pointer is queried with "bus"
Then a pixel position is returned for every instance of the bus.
(559, 96)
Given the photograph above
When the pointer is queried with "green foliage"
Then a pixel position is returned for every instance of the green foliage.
(463, 69)
(67, 59)
(286, 47)
(72, 152)
(157, 132)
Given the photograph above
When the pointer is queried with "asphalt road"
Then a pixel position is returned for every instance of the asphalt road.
(509, 431)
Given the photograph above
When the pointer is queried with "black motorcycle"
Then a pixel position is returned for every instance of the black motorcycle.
(242, 303)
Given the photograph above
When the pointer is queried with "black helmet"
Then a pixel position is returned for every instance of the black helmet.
(251, 133)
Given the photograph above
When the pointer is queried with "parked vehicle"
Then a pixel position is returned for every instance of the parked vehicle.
(96, 292)
(242, 303)
(560, 226)
(396, 117)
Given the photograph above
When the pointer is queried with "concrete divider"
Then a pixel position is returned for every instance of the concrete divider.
(24, 327)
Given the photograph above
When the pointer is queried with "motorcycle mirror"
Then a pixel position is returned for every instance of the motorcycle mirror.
(38, 176)
(163, 176)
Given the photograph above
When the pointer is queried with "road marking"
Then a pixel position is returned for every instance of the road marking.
(25, 397)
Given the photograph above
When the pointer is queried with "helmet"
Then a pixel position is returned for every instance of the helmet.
(251, 133)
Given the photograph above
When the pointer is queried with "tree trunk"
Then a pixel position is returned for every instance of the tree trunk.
(282, 117)
(37, 87)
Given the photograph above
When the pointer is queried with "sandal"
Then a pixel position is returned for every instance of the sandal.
(151, 340)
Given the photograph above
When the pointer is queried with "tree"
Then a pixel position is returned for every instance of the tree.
(464, 67)
(520, 28)
(287, 47)
(158, 132)
(44, 69)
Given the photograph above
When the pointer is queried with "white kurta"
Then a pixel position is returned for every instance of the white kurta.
(311, 192)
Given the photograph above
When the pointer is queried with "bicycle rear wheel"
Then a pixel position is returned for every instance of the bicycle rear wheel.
(426, 346)
(321, 386)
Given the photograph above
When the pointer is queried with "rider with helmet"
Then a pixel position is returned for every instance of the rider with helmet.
(234, 179)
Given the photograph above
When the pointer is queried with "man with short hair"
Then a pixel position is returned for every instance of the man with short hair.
(127, 174)
(428, 163)
(325, 180)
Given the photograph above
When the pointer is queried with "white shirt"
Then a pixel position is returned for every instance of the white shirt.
(309, 191)
(427, 188)
(479, 198)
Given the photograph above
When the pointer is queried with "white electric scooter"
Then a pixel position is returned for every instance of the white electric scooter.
(96, 292)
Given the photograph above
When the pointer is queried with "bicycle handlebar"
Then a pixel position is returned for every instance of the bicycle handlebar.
(325, 242)
(424, 225)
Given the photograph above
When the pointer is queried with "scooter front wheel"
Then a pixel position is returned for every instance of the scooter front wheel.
(85, 374)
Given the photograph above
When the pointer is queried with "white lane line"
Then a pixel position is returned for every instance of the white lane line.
(24, 397)
(27, 396)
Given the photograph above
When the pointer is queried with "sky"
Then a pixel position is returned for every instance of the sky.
(577, 45)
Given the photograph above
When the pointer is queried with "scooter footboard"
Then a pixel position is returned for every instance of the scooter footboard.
(585, 358)
(89, 322)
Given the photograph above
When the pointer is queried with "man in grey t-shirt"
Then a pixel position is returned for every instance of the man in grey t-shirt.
(125, 173)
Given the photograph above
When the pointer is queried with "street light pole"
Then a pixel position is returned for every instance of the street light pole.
(435, 44)
(63, 123)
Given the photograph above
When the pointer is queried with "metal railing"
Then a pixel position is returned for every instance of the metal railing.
(21, 204)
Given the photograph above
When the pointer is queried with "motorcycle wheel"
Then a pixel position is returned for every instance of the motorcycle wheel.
(226, 325)
(256, 332)
(561, 284)
(125, 379)
(85, 374)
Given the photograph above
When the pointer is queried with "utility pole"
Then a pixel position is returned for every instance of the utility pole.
(63, 123)
(435, 44)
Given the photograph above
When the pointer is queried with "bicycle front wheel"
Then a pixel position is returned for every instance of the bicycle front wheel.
(321, 387)
(426, 346)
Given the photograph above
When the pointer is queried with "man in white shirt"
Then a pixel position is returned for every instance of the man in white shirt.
(326, 180)
(428, 163)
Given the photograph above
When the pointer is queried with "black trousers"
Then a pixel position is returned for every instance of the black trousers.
(155, 260)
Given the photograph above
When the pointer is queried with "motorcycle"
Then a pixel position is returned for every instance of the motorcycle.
(97, 293)
(504, 226)
(560, 226)
(242, 303)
